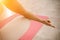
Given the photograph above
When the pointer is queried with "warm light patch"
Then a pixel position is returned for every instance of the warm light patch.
(4, 12)
(9, 13)
(0, 0)
(1, 12)
(1, 9)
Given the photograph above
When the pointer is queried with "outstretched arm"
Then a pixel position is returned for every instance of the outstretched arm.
(15, 6)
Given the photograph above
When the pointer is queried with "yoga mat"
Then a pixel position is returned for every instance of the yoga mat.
(7, 20)
(32, 30)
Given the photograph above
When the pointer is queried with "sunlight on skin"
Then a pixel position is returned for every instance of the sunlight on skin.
(8, 13)
(1, 12)
(18, 8)
(4, 13)
(1, 9)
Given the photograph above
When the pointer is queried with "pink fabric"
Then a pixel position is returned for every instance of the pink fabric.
(31, 32)
(4, 22)
(33, 29)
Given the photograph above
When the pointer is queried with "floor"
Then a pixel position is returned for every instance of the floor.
(50, 8)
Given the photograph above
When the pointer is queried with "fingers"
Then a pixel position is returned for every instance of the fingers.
(48, 22)
(52, 26)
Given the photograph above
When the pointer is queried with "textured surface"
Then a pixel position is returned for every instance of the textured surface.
(50, 8)
(27, 29)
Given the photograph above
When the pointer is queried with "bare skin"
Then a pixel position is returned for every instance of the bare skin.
(1, 12)
(15, 6)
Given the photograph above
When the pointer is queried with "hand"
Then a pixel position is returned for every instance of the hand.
(48, 22)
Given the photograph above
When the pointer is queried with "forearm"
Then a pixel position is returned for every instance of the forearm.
(15, 6)
(18, 8)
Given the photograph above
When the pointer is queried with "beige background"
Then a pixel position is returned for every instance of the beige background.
(50, 8)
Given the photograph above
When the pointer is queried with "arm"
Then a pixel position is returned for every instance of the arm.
(18, 8)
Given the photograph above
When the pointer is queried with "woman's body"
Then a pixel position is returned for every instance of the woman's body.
(18, 8)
